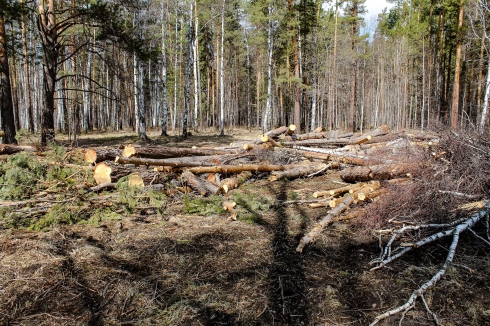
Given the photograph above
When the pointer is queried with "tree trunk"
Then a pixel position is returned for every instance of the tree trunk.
(222, 74)
(6, 105)
(49, 37)
(457, 71)
(164, 76)
(270, 46)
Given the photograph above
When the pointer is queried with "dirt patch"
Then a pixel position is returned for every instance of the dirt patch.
(175, 268)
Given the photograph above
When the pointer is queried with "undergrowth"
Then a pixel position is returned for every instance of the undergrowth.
(45, 192)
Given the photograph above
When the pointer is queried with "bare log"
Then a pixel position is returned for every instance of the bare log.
(2, 133)
(281, 130)
(380, 131)
(317, 130)
(202, 186)
(320, 226)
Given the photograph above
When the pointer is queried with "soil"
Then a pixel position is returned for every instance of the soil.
(185, 269)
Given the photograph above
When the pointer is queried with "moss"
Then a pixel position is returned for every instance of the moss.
(203, 206)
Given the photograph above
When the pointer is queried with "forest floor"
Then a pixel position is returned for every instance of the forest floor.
(178, 268)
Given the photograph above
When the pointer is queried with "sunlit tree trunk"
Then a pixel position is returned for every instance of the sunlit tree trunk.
(49, 37)
(164, 76)
(268, 105)
(222, 74)
(457, 71)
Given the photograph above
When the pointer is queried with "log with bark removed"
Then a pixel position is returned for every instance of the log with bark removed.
(339, 191)
(204, 187)
(161, 152)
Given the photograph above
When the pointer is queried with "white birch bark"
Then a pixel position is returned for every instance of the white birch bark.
(270, 44)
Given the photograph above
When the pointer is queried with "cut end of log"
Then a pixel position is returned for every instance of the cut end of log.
(128, 151)
(291, 130)
(264, 138)
(2, 133)
(315, 194)
(90, 156)
(102, 173)
(135, 181)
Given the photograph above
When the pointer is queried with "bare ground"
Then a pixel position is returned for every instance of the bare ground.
(180, 269)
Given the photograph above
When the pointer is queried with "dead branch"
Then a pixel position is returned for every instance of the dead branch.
(455, 232)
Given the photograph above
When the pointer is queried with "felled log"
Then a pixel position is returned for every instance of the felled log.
(234, 182)
(298, 171)
(386, 138)
(317, 130)
(320, 226)
(360, 193)
(229, 169)
(321, 141)
(380, 131)
(376, 172)
(102, 173)
(2, 133)
(160, 162)
(8, 149)
(262, 146)
(202, 186)
(96, 155)
(338, 191)
(161, 152)
(281, 130)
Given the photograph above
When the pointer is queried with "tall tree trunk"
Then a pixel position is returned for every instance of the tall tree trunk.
(353, 82)
(195, 59)
(484, 114)
(30, 110)
(270, 46)
(49, 37)
(457, 71)
(164, 76)
(187, 85)
(222, 74)
(6, 105)
(294, 35)
(249, 110)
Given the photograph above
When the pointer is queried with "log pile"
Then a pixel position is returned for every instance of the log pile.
(362, 160)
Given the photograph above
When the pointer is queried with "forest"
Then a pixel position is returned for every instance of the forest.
(77, 66)
(235, 162)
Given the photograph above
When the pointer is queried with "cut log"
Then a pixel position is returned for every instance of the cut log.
(161, 152)
(362, 196)
(229, 206)
(320, 226)
(317, 130)
(97, 155)
(135, 181)
(339, 191)
(2, 133)
(102, 173)
(299, 171)
(202, 186)
(267, 139)
(160, 162)
(376, 172)
(234, 182)
(263, 146)
(7, 149)
(230, 169)
(380, 131)
(90, 156)
(274, 133)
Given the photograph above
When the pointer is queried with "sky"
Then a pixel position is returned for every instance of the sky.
(374, 7)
